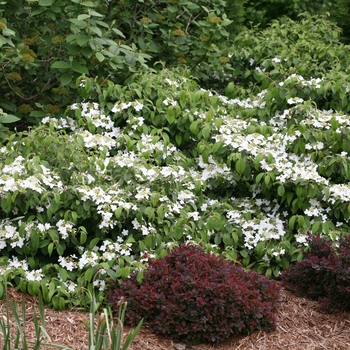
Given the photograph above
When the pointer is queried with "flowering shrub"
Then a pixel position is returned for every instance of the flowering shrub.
(323, 274)
(162, 161)
(194, 296)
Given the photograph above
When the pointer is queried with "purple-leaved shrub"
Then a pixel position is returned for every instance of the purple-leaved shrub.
(194, 296)
(323, 274)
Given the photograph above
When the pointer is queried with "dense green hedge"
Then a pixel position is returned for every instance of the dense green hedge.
(262, 12)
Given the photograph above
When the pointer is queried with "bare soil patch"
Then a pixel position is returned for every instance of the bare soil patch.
(301, 326)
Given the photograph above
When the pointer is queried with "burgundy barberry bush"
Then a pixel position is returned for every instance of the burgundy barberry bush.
(323, 274)
(194, 296)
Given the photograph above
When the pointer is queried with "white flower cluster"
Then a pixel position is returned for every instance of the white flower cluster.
(119, 107)
(113, 250)
(248, 103)
(30, 275)
(313, 82)
(339, 192)
(10, 235)
(267, 226)
(16, 177)
(148, 145)
(61, 123)
(214, 170)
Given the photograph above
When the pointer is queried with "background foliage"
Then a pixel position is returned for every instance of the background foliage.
(47, 44)
(262, 12)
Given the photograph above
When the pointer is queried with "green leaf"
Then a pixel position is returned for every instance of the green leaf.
(292, 222)
(118, 212)
(82, 39)
(216, 147)
(34, 288)
(60, 249)
(316, 227)
(194, 127)
(89, 274)
(240, 166)
(60, 65)
(99, 56)
(46, 2)
(96, 30)
(8, 118)
(83, 16)
(206, 132)
(34, 241)
(281, 190)
(66, 79)
(58, 302)
(244, 253)
(77, 67)
(93, 243)
(259, 177)
(83, 237)
(301, 221)
(87, 4)
(38, 114)
(50, 248)
(63, 273)
(260, 249)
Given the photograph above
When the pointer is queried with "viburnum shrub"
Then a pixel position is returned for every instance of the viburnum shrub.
(323, 274)
(195, 296)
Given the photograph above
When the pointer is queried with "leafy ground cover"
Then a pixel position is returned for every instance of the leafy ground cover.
(247, 171)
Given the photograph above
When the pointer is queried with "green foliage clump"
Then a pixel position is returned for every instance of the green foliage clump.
(281, 56)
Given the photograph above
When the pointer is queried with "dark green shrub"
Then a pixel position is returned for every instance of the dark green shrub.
(323, 274)
(340, 14)
(194, 296)
(180, 32)
(263, 12)
(47, 44)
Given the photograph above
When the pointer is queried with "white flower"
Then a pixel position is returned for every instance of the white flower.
(168, 101)
(295, 100)
(64, 228)
(88, 258)
(194, 215)
(138, 106)
(276, 59)
(68, 263)
(34, 275)
(101, 284)
(43, 228)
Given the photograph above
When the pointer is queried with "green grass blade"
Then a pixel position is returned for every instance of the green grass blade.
(37, 331)
(132, 335)
(42, 311)
(92, 324)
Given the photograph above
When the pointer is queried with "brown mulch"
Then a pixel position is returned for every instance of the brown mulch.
(301, 326)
